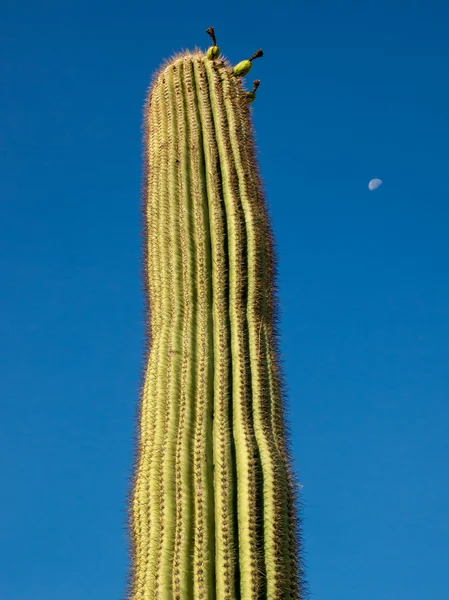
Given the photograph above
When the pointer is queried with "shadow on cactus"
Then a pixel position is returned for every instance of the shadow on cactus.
(213, 507)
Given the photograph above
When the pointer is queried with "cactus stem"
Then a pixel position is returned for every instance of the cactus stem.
(213, 505)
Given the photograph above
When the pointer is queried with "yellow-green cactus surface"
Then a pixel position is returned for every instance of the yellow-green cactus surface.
(213, 505)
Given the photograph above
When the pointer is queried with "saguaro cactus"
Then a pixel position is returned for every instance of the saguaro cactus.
(212, 509)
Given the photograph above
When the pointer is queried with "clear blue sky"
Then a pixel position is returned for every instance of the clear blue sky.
(350, 91)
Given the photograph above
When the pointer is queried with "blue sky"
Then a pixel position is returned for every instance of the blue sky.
(348, 93)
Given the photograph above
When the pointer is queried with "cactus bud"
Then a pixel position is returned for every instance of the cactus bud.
(251, 96)
(214, 51)
(244, 67)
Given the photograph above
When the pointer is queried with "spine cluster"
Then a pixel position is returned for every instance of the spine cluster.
(213, 503)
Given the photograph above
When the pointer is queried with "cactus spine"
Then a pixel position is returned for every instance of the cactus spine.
(212, 509)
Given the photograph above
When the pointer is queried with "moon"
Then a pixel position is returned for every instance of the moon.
(374, 184)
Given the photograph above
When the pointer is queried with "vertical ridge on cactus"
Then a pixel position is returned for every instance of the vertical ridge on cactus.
(212, 507)
(182, 580)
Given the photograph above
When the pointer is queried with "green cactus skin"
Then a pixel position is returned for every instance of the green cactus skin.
(213, 502)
